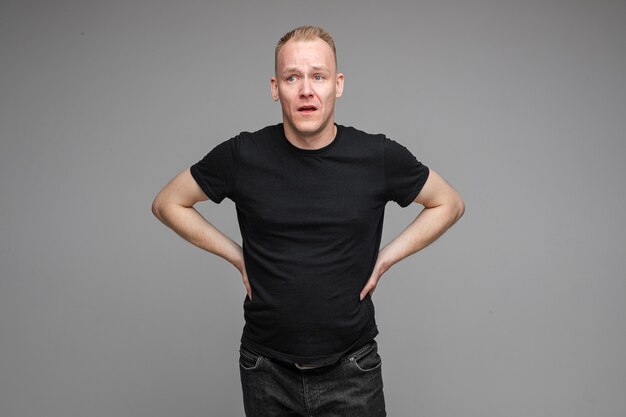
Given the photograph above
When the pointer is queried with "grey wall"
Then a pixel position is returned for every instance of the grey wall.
(517, 311)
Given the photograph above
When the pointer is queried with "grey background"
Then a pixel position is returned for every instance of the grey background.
(521, 105)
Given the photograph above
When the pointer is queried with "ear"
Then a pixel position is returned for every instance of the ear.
(274, 88)
(339, 85)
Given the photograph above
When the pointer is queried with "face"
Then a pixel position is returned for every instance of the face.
(307, 84)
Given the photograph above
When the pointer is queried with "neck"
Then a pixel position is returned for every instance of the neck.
(314, 140)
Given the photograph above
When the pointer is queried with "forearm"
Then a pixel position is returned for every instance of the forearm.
(189, 224)
(429, 225)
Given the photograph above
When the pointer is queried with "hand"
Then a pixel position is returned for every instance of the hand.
(246, 283)
(370, 286)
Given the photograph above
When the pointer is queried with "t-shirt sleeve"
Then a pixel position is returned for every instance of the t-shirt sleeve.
(404, 174)
(216, 173)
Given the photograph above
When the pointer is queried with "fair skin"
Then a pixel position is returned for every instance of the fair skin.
(307, 84)
(443, 207)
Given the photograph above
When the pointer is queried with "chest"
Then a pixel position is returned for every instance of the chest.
(311, 191)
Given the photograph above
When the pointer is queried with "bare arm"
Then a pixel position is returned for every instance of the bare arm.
(173, 206)
(443, 206)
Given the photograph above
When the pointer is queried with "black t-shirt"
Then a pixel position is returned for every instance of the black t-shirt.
(311, 223)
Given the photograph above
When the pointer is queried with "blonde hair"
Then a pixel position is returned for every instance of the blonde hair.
(305, 33)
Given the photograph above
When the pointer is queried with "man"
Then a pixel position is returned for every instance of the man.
(310, 197)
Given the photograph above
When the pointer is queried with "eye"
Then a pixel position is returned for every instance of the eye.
(318, 77)
(291, 78)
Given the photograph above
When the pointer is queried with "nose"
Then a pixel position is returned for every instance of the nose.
(305, 88)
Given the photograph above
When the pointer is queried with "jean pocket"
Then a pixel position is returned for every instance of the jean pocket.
(367, 358)
(248, 359)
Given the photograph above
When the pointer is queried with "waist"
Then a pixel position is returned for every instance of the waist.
(342, 354)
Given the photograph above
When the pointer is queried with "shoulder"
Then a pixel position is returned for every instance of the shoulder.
(259, 136)
(267, 131)
(351, 131)
(246, 138)
(380, 139)
(362, 139)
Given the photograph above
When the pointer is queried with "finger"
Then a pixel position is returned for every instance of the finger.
(246, 284)
(369, 287)
(365, 290)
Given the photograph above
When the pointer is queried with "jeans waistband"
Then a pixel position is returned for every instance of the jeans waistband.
(349, 356)
(304, 366)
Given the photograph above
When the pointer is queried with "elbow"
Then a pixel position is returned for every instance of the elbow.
(461, 211)
(157, 208)
(458, 208)
(454, 208)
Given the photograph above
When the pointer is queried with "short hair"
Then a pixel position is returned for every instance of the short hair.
(305, 33)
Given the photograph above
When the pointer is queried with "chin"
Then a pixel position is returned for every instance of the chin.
(310, 127)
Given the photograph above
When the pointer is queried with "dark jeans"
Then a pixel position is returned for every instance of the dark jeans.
(349, 388)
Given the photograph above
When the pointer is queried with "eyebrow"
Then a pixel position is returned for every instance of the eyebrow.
(315, 67)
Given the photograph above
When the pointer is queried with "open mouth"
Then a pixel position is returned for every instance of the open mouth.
(307, 109)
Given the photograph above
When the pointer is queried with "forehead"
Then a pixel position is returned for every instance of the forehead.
(305, 53)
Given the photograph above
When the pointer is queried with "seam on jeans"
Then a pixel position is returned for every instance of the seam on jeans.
(358, 352)
(367, 370)
(252, 358)
(256, 360)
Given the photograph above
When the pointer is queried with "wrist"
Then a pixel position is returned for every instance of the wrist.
(238, 261)
(383, 263)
